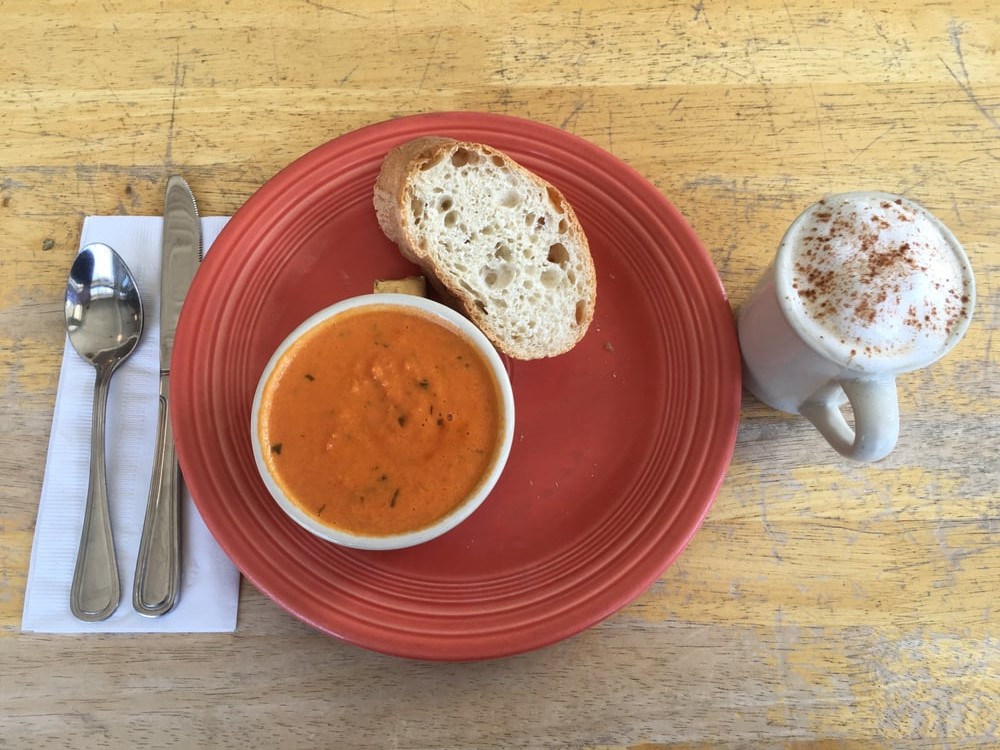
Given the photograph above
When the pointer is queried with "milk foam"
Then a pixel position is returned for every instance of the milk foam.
(875, 278)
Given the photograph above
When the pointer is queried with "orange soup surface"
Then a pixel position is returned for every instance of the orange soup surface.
(380, 421)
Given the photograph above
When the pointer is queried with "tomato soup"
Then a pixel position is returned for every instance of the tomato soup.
(380, 421)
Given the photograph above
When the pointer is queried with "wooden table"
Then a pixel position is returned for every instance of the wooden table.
(822, 604)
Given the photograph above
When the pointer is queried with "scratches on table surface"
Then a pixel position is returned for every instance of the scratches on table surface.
(822, 604)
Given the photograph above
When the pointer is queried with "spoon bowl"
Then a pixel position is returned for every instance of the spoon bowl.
(104, 324)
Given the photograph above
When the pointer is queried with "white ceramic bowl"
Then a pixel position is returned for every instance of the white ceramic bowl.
(456, 322)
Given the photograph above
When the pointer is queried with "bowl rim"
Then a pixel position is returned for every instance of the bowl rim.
(453, 320)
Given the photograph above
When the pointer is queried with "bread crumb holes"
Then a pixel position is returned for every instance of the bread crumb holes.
(511, 200)
(497, 279)
(462, 156)
(430, 163)
(550, 278)
(558, 254)
(556, 199)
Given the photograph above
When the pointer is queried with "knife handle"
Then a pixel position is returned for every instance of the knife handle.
(157, 571)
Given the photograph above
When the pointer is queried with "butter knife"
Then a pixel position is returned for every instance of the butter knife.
(157, 571)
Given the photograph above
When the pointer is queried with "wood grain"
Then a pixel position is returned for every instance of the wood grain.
(823, 604)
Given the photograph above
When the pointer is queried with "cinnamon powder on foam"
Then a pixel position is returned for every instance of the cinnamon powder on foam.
(877, 276)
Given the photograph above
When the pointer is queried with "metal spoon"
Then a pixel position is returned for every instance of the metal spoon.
(104, 323)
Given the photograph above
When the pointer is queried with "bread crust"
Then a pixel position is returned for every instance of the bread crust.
(392, 195)
(391, 186)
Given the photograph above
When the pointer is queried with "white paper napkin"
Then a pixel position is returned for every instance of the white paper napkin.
(210, 584)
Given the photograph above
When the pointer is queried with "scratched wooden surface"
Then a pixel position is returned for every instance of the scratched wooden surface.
(821, 605)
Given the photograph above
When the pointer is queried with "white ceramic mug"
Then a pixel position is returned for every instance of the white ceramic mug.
(865, 286)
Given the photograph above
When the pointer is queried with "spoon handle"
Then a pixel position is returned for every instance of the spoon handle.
(95, 591)
(157, 572)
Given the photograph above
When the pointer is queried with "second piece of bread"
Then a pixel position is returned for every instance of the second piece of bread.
(497, 237)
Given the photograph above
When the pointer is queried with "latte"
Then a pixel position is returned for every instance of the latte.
(875, 280)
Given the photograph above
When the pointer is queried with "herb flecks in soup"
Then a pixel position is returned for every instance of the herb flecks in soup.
(380, 421)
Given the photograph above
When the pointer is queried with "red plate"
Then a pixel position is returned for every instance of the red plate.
(620, 445)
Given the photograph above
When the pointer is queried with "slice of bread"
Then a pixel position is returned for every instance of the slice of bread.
(497, 238)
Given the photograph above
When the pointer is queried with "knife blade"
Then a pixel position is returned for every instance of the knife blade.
(157, 572)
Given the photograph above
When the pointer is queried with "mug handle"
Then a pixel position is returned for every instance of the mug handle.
(876, 417)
